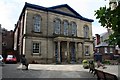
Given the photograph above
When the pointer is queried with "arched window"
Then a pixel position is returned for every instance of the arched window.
(73, 29)
(66, 25)
(37, 23)
(86, 31)
(57, 25)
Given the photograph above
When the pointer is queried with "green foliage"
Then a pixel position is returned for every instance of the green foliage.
(106, 62)
(85, 61)
(110, 19)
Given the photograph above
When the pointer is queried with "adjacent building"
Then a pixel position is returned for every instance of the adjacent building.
(7, 40)
(7, 43)
(103, 47)
(55, 34)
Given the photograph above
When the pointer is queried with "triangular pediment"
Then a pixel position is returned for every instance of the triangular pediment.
(65, 9)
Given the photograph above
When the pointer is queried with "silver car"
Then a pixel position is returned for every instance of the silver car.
(1, 60)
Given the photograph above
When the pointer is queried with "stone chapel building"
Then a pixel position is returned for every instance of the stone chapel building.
(55, 34)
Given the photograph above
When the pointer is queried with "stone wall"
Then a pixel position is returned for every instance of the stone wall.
(45, 36)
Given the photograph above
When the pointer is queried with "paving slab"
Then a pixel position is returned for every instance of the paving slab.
(60, 71)
(68, 71)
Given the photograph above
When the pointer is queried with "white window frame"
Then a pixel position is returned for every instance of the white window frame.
(35, 46)
(111, 50)
(106, 50)
(87, 51)
(98, 50)
(37, 23)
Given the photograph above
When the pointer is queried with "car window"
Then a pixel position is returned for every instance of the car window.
(10, 56)
(1, 57)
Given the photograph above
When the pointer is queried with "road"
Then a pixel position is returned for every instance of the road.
(12, 72)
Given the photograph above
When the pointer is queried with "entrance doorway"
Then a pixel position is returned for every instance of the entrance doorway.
(63, 50)
(72, 52)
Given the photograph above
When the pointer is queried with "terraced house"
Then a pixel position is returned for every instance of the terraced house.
(55, 34)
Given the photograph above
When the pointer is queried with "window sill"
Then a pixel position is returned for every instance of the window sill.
(87, 54)
(62, 35)
(86, 38)
(37, 32)
(36, 54)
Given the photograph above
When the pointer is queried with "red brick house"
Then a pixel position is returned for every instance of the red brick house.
(107, 51)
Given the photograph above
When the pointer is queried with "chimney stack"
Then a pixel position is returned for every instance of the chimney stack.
(97, 39)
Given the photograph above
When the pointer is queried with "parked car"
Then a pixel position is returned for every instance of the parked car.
(1, 60)
(11, 59)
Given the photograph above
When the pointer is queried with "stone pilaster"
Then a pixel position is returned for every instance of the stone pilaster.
(59, 51)
(68, 53)
(76, 51)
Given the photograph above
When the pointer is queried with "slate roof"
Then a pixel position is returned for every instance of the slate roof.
(102, 44)
(105, 33)
(52, 9)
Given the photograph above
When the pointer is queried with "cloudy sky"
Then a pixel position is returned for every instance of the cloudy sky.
(11, 9)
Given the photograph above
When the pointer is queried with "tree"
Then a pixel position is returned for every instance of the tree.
(110, 19)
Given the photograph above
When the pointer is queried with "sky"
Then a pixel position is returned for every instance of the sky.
(10, 10)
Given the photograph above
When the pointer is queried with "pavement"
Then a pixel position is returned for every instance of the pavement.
(60, 71)
(112, 69)
(68, 71)
(60, 67)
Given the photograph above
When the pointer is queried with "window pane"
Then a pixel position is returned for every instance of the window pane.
(36, 47)
(98, 50)
(37, 21)
(65, 28)
(74, 29)
(105, 50)
(87, 50)
(111, 50)
(57, 26)
(86, 32)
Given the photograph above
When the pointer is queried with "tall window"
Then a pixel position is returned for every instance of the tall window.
(105, 49)
(36, 48)
(86, 31)
(74, 29)
(111, 50)
(37, 23)
(57, 25)
(87, 51)
(98, 50)
(66, 25)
